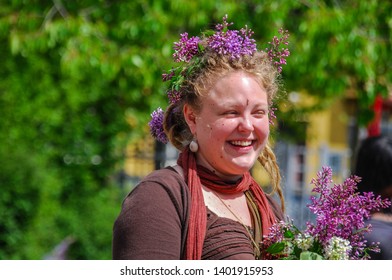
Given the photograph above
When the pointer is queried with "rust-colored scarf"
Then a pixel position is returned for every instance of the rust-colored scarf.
(196, 176)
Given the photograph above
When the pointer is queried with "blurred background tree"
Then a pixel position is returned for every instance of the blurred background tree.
(80, 78)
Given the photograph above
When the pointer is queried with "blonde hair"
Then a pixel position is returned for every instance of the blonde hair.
(201, 77)
(268, 160)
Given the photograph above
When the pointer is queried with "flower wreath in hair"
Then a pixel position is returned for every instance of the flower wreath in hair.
(187, 52)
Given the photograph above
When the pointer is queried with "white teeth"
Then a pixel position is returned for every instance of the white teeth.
(241, 143)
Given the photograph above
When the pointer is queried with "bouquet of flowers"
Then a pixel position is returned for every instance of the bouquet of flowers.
(338, 232)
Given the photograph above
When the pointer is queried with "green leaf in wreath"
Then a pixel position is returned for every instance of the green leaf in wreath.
(200, 48)
(208, 33)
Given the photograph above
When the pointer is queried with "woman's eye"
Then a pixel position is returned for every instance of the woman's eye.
(231, 113)
(260, 112)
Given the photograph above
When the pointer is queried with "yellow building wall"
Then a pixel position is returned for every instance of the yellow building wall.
(139, 159)
(328, 129)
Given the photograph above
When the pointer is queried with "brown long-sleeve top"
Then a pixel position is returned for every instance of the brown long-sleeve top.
(153, 223)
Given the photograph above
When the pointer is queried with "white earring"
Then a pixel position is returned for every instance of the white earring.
(193, 146)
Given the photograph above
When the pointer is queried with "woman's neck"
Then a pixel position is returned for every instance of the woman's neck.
(225, 177)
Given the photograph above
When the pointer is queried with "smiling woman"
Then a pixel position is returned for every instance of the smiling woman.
(208, 206)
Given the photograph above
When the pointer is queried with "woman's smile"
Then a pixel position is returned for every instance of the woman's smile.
(242, 146)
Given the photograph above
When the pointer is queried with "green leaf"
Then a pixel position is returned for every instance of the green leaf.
(317, 247)
(310, 256)
(297, 252)
(208, 33)
(276, 248)
(200, 48)
(288, 234)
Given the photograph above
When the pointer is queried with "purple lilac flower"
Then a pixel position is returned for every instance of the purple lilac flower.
(341, 211)
(272, 115)
(232, 42)
(174, 96)
(277, 230)
(277, 54)
(186, 48)
(167, 76)
(276, 235)
(156, 125)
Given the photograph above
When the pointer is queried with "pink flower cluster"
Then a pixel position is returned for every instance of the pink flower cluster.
(341, 211)
(156, 125)
(277, 53)
(232, 42)
(186, 48)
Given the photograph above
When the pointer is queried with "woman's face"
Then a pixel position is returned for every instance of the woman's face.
(232, 127)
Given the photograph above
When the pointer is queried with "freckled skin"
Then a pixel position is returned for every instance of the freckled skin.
(234, 111)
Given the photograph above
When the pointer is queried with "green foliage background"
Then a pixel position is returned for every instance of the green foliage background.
(80, 78)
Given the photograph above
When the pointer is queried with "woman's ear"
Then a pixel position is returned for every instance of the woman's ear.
(190, 118)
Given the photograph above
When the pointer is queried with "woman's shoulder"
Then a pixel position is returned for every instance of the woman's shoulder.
(166, 173)
(163, 182)
(168, 177)
(153, 217)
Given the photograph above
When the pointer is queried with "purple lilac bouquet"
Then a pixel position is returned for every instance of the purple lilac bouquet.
(338, 232)
(223, 41)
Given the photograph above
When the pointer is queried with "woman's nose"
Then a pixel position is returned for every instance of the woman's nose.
(246, 124)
